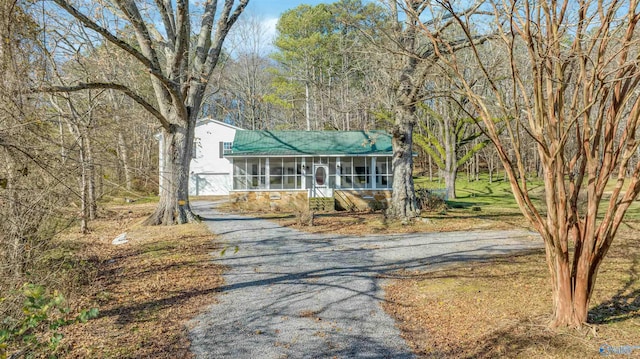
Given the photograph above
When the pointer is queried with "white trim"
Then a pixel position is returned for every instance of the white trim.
(303, 173)
(311, 155)
(338, 172)
(206, 120)
(372, 175)
(267, 175)
(308, 172)
(210, 173)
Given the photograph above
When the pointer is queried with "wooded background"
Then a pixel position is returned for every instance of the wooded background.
(527, 89)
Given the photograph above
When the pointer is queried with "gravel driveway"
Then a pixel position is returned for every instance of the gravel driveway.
(290, 294)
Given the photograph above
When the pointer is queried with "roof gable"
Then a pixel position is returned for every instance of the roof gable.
(287, 143)
(208, 120)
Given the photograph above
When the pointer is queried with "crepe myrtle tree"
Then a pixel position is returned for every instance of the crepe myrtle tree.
(180, 64)
(573, 74)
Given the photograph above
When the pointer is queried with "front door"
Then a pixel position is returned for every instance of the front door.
(321, 182)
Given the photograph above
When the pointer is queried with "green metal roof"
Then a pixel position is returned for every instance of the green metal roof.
(288, 143)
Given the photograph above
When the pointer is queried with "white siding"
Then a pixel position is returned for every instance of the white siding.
(209, 173)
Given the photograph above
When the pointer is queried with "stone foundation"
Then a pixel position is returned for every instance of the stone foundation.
(288, 201)
(367, 200)
(269, 200)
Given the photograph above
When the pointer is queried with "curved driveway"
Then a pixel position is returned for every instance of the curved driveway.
(291, 294)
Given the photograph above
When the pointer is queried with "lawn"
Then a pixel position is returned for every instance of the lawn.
(479, 205)
(500, 308)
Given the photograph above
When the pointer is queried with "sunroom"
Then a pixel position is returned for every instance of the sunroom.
(352, 168)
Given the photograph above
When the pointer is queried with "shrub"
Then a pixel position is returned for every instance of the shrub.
(428, 201)
(38, 329)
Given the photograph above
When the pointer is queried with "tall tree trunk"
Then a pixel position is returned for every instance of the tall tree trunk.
(476, 166)
(307, 105)
(84, 188)
(403, 199)
(430, 168)
(91, 178)
(450, 176)
(124, 160)
(451, 161)
(174, 207)
(490, 168)
(122, 151)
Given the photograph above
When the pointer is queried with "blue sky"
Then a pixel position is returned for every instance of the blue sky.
(274, 8)
(268, 12)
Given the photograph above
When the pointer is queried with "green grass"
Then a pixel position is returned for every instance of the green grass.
(496, 198)
(481, 198)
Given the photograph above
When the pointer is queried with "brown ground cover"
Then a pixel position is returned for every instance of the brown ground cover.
(355, 223)
(499, 308)
(146, 290)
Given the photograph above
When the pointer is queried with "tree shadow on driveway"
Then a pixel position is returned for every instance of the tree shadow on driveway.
(301, 295)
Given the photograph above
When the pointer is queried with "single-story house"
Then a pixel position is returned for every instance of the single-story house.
(278, 168)
(210, 171)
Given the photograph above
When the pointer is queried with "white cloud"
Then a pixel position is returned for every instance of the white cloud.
(269, 26)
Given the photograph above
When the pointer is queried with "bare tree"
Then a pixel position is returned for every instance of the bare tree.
(33, 182)
(246, 79)
(80, 121)
(450, 132)
(577, 96)
(180, 65)
(414, 59)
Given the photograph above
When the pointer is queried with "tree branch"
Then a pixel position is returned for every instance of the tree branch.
(84, 20)
(224, 25)
(109, 85)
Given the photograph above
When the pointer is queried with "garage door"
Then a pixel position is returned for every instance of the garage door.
(203, 184)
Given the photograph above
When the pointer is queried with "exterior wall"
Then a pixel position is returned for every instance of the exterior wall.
(269, 200)
(363, 200)
(209, 184)
(211, 174)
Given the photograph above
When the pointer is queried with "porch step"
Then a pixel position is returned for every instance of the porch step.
(322, 204)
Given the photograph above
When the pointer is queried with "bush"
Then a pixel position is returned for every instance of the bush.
(304, 216)
(428, 201)
(38, 329)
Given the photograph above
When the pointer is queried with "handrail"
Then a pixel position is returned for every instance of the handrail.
(351, 206)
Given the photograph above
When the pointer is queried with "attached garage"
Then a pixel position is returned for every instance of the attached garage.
(210, 184)
(210, 171)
